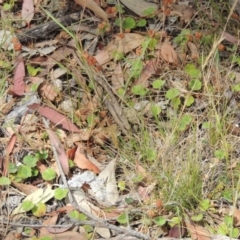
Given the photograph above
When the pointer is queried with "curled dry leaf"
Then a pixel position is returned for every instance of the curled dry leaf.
(94, 7)
(194, 51)
(119, 45)
(55, 117)
(83, 162)
(168, 53)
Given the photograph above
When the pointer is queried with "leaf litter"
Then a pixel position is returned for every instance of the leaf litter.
(127, 105)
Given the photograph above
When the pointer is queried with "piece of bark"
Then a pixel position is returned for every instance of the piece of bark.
(49, 29)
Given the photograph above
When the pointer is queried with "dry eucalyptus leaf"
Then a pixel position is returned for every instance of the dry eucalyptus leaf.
(194, 51)
(118, 46)
(168, 53)
(94, 7)
(184, 12)
(139, 7)
(198, 232)
(47, 90)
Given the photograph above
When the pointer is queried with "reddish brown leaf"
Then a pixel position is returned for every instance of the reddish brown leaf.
(9, 149)
(55, 116)
(71, 152)
(11, 144)
(18, 83)
(82, 162)
(63, 158)
(177, 231)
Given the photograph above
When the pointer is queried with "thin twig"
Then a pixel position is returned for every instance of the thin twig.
(98, 221)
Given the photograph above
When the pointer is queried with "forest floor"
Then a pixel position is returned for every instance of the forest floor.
(119, 119)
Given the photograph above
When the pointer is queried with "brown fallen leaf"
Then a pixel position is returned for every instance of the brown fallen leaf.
(230, 38)
(94, 7)
(150, 69)
(18, 83)
(236, 217)
(177, 231)
(47, 90)
(147, 177)
(27, 189)
(83, 162)
(5, 108)
(63, 158)
(194, 51)
(139, 7)
(9, 150)
(168, 53)
(70, 235)
(27, 10)
(119, 45)
(184, 12)
(55, 117)
(117, 78)
(197, 232)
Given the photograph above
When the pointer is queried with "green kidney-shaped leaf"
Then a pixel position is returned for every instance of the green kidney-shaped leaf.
(185, 121)
(189, 100)
(160, 221)
(123, 218)
(195, 85)
(30, 161)
(142, 23)
(49, 174)
(39, 210)
(197, 218)
(27, 205)
(24, 171)
(129, 23)
(204, 205)
(60, 193)
(151, 154)
(192, 71)
(156, 110)
(157, 84)
(139, 90)
(75, 215)
(4, 181)
(172, 93)
(12, 168)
